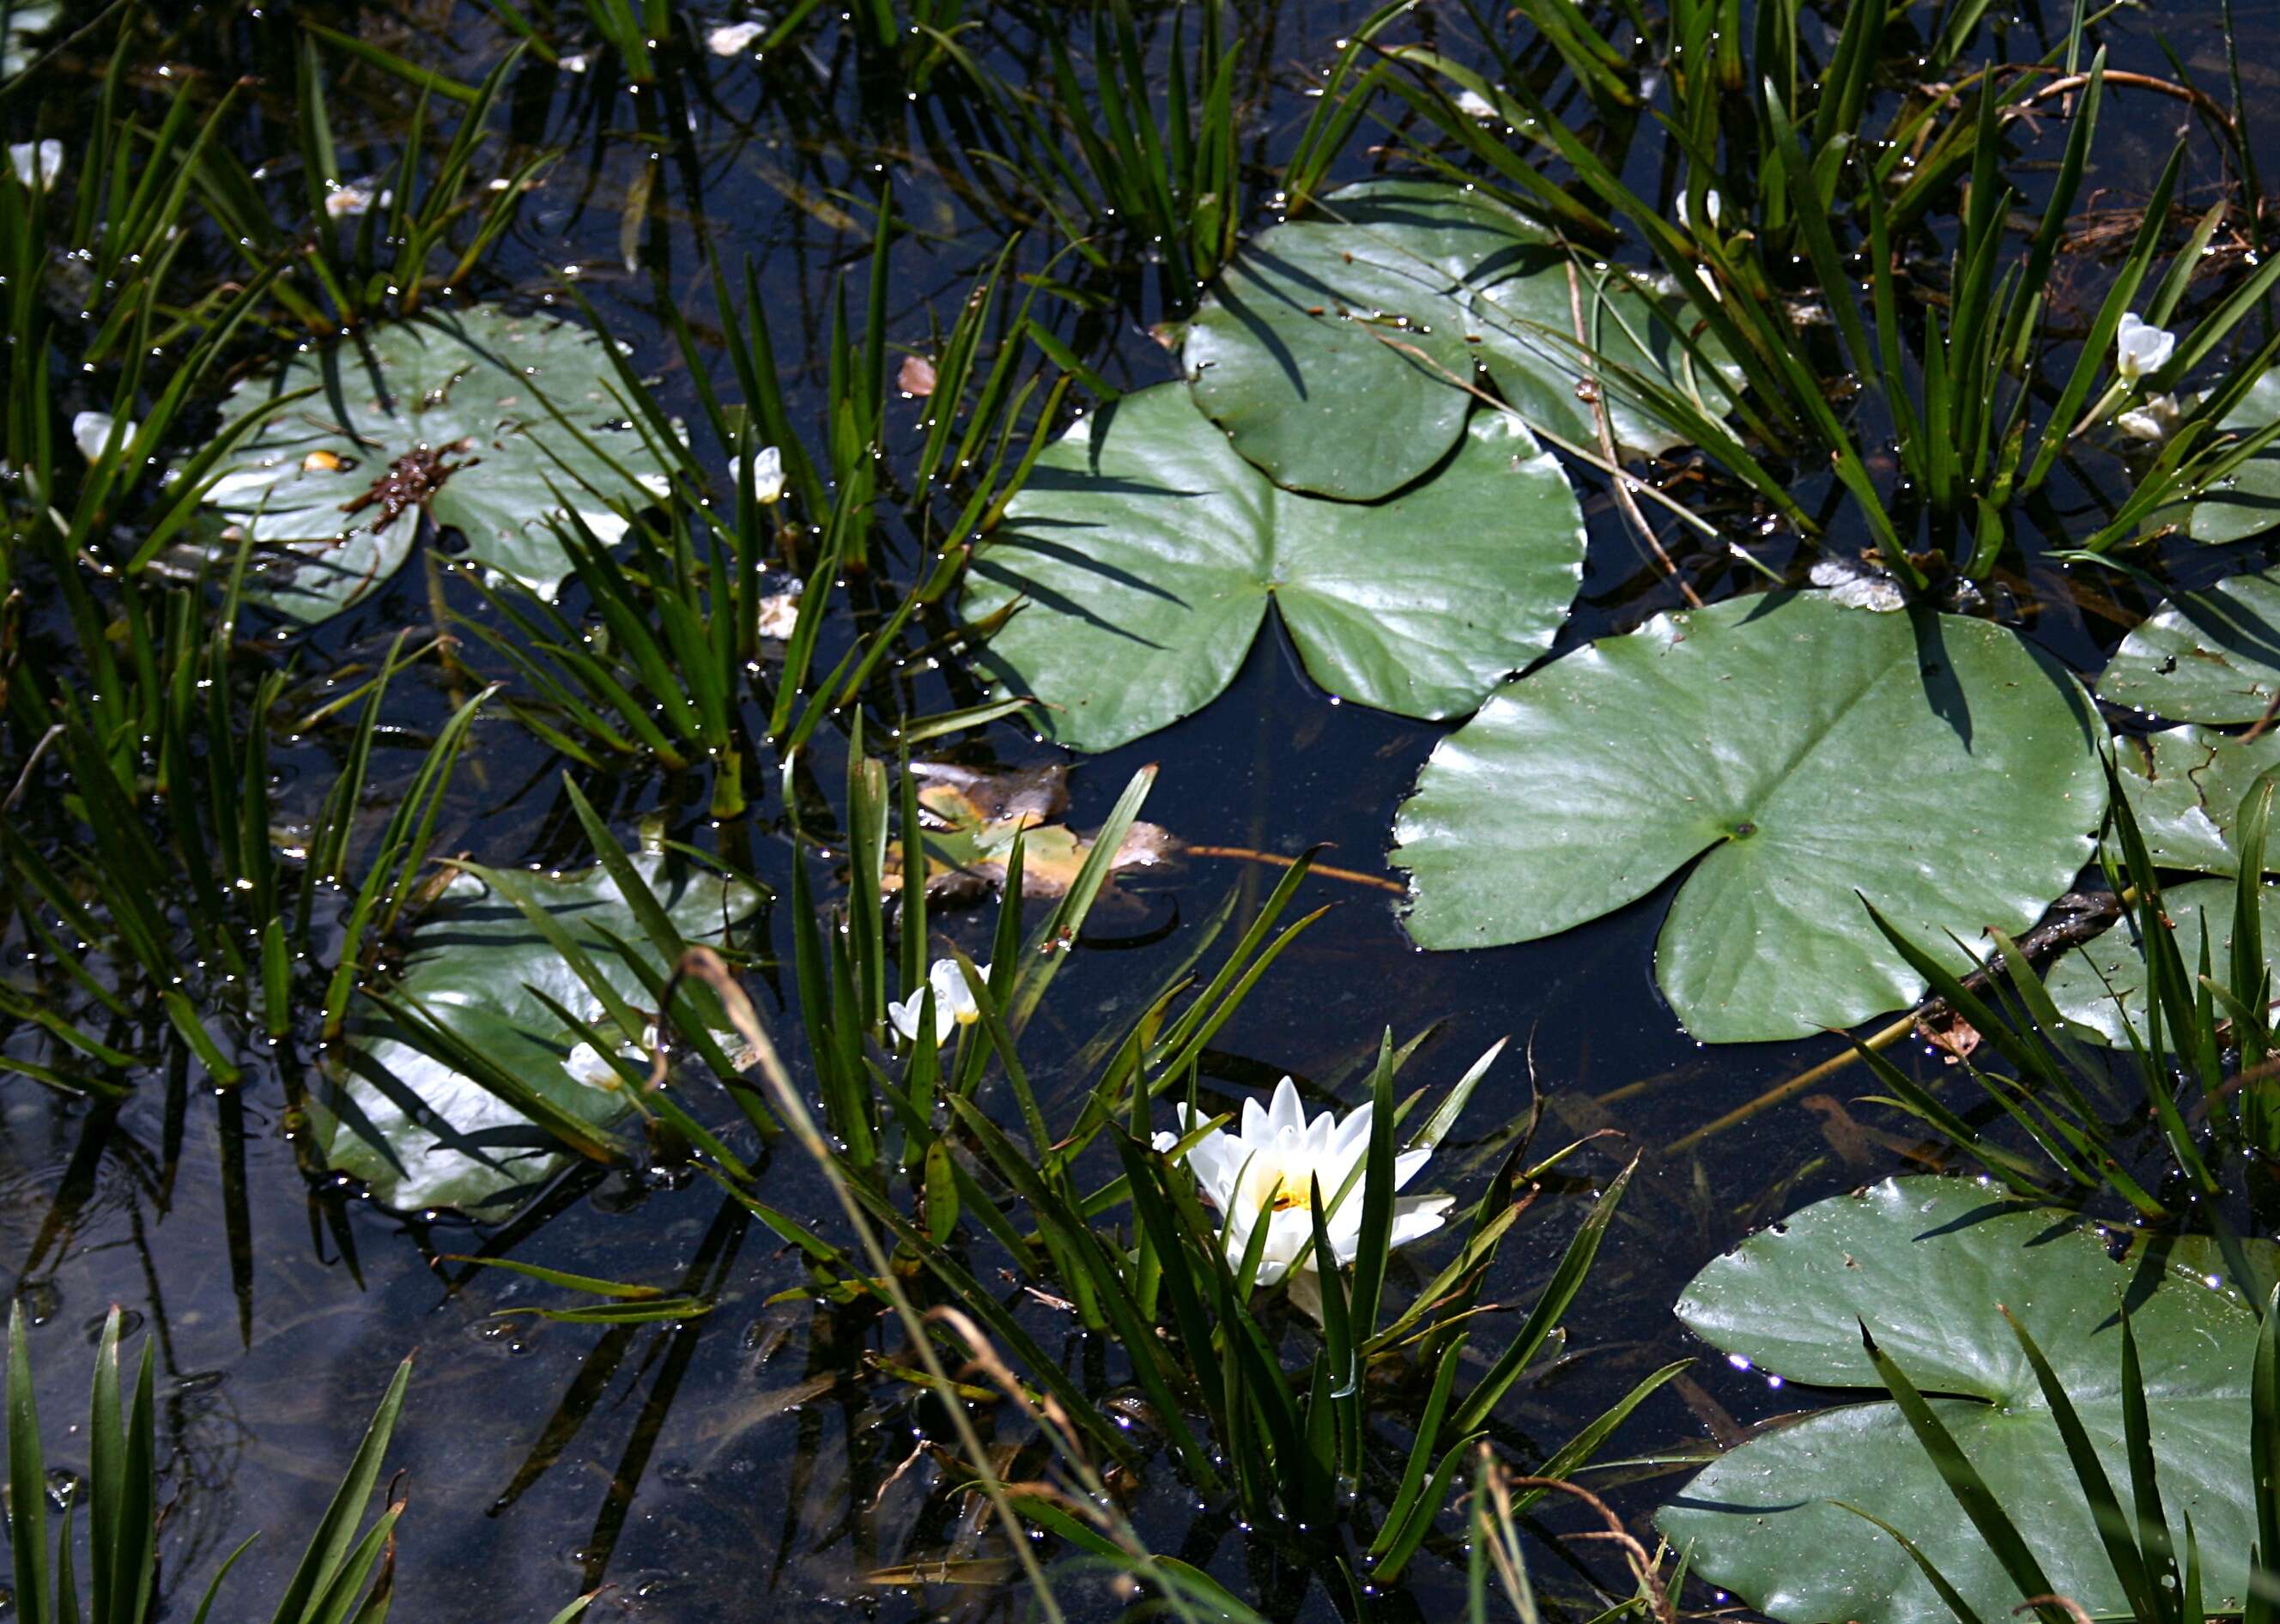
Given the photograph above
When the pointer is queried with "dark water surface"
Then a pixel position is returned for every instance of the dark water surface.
(748, 1463)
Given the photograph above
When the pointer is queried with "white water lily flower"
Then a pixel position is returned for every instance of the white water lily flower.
(2154, 419)
(2139, 349)
(733, 39)
(1272, 1167)
(91, 433)
(953, 1003)
(767, 474)
(36, 163)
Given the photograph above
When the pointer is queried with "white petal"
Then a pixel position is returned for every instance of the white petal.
(733, 39)
(1355, 1129)
(1417, 1216)
(767, 474)
(1285, 1110)
(586, 1065)
(36, 164)
(778, 613)
(356, 198)
(1406, 1166)
(1214, 1163)
(2140, 349)
(91, 433)
(1253, 1128)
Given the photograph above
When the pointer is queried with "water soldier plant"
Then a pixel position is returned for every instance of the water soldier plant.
(533, 534)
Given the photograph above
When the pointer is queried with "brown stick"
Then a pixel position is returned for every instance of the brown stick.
(2142, 81)
(1247, 854)
(1801, 1084)
(1626, 503)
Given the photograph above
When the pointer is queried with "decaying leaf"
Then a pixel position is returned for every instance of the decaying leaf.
(971, 815)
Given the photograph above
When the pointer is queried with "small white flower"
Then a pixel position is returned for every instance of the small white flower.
(1710, 207)
(572, 65)
(1272, 1167)
(778, 613)
(36, 164)
(357, 197)
(91, 433)
(733, 39)
(767, 474)
(1473, 105)
(953, 1003)
(586, 1065)
(2139, 349)
(2154, 419)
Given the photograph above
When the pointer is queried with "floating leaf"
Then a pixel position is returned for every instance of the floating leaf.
(1337, 352)
(2096, 984)
(446, 413)
(2211, 656)
(1145, 551)
(972, 818)
(473, 963)
(2247, 503)
(1803, 752)
(1927, 1264)
(2185, 787)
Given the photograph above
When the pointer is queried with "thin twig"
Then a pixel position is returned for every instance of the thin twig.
(31, 762)
(1799, 1084)
(1658, 1596)
(1626, 503)
(1248, 854)
(2200, 99)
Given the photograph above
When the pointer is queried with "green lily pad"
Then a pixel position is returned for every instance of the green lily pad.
(1334, 350)
(445, 414)
(1803, 752)
(2211, 655)
(2247, 503)
(421, 1135)
(1926, 1264)
(1143, 552)
(2097, 984)
(2185, 786)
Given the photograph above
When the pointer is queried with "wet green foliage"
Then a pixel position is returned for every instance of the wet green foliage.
(1776, 275)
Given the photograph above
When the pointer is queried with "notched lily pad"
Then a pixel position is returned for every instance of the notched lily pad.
(1143, 553)
(2247, 502)
(1927, 1264)
(1337, 350)
(421, 1135)
(2211, 656)
(2185, 787)
(1800, 754)
(446, 414)
(2100, 986)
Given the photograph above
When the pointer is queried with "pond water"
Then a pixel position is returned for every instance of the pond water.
(750, 1462)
